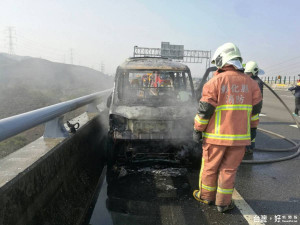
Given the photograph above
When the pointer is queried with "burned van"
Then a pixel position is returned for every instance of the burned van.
(151, 109)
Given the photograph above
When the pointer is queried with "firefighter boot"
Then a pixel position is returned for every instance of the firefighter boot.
(249, 150)
(226, 208)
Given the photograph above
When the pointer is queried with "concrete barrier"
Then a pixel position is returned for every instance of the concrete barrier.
(33, 178)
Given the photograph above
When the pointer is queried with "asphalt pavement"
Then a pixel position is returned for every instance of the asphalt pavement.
(272, 190)
(265, 193)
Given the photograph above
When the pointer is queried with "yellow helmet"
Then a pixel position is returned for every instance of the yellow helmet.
(225, 53)
(298, 83)
(252, 67)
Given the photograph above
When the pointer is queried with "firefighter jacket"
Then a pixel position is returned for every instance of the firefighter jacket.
(296, 89)
(229, 107)
(260, 84)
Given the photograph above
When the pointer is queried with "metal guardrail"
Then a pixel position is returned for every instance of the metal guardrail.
(51, 115)
(293, 80)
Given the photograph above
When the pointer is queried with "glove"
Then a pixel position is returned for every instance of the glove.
(197, 136)
(253, 133)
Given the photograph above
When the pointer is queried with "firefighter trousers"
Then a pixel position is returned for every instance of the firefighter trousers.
(297, 105)
(218, 171)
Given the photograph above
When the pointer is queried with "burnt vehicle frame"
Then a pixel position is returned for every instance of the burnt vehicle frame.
(149, 120)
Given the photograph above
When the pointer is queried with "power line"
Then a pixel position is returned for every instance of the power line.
(39, 43)
(39, 55)
(295, 72)
(287, 70)
(283, 68)
(289, 73)
(280, 63)
(41, 50)
(34, 47)
(25, 49)
(45, 50)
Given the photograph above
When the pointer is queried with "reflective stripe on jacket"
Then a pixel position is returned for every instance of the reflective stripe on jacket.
(225, 109)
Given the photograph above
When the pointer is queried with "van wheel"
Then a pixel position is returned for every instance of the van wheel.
(196, 156)
(111, 156)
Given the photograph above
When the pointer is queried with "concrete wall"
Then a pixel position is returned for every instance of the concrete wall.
(30, 191)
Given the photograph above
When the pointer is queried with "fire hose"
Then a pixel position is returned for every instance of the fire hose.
(295, 147)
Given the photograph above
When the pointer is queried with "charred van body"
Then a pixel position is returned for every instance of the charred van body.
(151, 109)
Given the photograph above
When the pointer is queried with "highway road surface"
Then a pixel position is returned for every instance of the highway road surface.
(162, 194)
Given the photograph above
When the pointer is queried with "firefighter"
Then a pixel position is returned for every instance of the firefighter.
(253, 70)
(227, 119)
(297, 98)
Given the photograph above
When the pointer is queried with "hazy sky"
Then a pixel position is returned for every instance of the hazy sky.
(266, 31)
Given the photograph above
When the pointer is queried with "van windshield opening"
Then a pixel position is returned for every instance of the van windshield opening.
(154, 86)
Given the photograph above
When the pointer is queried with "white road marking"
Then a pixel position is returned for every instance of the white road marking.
(287, 96)
(294, 126)
(261, 114)
(245, 209)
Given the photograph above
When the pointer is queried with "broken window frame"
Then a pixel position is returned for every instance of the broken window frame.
(124, 73)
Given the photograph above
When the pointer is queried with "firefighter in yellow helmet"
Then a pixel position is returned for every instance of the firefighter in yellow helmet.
(229, 102)
(253, 71)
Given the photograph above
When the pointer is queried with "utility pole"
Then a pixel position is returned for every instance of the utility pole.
(102, 67)
(10, 40)
(71, 55)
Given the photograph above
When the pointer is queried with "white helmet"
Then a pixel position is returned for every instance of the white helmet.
(252, 67)
(225, 53)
